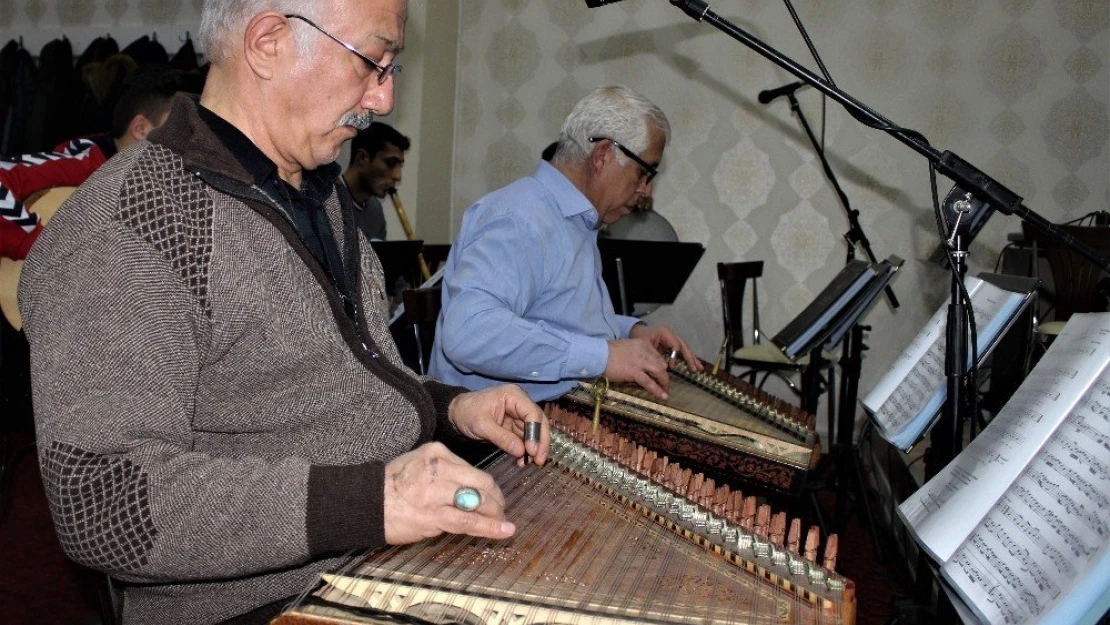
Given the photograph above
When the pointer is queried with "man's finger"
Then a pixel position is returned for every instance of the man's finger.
(506, 441)
(649, 384)
(477, 524)
(692, 361)
(536, 431)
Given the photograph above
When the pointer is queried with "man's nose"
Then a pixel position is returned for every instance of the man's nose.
(379, 98)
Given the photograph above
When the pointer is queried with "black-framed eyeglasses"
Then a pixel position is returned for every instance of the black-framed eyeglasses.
(650, 172)
(384, 71)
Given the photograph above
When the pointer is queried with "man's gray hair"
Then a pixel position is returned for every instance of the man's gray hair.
(613, 112)
(223, 22)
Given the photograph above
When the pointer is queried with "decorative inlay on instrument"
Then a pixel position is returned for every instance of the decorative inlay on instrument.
(716, 423)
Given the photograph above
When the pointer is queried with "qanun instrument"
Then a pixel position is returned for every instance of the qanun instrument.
(714, 423)
(608, 533)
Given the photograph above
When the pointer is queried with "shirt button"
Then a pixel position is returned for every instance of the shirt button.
(535, 374)
(583, 372)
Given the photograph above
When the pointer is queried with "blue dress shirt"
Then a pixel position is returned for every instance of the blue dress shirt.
(523, 297)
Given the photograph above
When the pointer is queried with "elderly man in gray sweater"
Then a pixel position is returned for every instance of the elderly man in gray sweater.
(221, 412)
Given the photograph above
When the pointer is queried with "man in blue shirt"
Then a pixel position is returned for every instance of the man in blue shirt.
(523, 296)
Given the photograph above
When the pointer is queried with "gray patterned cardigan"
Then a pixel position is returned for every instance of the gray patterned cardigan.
(212, 428)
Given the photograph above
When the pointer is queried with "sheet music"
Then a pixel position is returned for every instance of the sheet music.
(1048, 531)
(906, 399)
(943, 512)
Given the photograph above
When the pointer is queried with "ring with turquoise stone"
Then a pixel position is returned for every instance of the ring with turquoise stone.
(467, 499)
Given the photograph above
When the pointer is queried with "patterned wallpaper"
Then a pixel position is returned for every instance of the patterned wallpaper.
(1017, 87)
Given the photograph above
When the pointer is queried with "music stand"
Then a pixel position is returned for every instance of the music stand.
(809, 330)
(849, 299)
(646, 272)
(398, 260)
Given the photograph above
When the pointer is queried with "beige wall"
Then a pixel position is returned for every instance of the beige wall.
(1018, 87)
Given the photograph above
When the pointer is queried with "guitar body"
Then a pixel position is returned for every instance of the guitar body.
(45, 205)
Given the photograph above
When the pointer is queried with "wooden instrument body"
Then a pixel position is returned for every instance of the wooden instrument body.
(598, 543)
(45, 205)
(716, 424)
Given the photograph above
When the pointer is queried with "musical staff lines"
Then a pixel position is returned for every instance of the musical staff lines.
(908, 398)
(1039, 540)
(1021, 518)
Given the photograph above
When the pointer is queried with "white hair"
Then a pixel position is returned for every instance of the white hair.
(223, 22)
(613, 112)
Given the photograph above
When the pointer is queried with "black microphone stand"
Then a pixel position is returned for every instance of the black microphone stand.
(855, 235)
(846, 472)
(947, 163)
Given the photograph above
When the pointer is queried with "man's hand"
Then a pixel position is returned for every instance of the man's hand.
(666, 341)
(498, 415)
(645, 357)
(420, 498)
(637, 360)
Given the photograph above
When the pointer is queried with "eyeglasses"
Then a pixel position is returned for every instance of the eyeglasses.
(384, 71)
(650, 172)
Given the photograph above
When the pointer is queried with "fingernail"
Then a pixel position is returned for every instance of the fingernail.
(507, 528)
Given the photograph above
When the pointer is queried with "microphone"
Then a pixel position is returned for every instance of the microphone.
(767, 95)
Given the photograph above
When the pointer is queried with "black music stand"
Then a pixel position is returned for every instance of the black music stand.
(833, 319)
(646, 272)
(850, 331)
(825, 323)
(398, 260)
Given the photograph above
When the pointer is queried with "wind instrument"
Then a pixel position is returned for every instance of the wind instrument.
(410, 234)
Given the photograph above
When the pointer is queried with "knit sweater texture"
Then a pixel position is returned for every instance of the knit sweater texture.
(212, 427)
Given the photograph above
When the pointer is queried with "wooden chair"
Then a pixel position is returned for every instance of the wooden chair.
(734, 279)
(1076, 280)
(760, 357)
(421, 311)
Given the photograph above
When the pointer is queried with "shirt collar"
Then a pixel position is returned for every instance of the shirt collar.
(568, 198)
(317, 182)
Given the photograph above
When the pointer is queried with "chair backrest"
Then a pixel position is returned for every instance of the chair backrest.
(733, 279)
(421, 311)
(1075, 279)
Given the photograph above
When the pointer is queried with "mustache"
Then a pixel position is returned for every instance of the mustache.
(359, 121)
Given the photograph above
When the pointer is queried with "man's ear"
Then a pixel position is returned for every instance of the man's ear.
(139, 127)
(267, 38)
(600, 155)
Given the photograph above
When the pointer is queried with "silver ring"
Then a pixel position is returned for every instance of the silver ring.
(532, 431)
(673, 354)
(467, 499)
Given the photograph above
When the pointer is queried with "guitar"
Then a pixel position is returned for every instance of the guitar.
(45, 204)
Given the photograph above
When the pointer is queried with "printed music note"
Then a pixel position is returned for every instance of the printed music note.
(1021, 518)
(909, 397)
